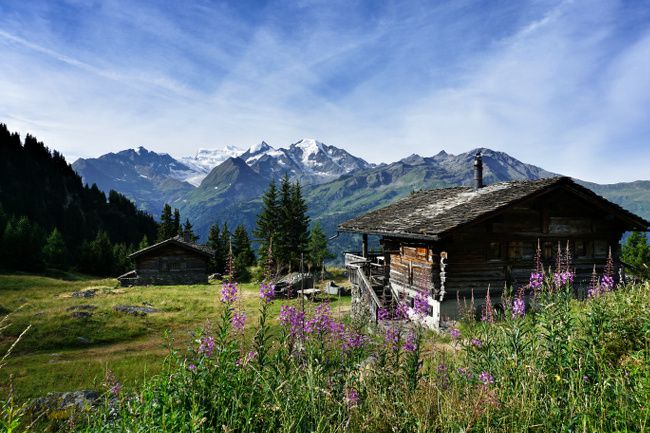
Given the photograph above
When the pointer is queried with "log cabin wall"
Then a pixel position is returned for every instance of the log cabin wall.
(500, 250)
(171, 264)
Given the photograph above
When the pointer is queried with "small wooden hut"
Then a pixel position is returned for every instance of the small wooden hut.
(457, 241)
(170, 262)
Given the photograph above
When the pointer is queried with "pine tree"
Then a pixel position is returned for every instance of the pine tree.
(284, 226)
(214, 242)
(23, 243)
(167, 228)
(299, 233)
(241, 247)
(266, 227)
(177, 230)
(188, 232)
(121, 261)
(317, 248)
(224, 247)
(54, 253)
(144, 243)
(636, 254)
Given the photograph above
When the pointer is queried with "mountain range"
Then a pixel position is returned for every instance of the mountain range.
(226, 184)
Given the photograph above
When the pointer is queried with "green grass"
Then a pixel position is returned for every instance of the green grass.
(62, 353)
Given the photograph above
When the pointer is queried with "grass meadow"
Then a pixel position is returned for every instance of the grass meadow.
(63, 353)
(553, 364)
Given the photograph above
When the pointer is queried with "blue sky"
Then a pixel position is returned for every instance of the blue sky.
(560, 84)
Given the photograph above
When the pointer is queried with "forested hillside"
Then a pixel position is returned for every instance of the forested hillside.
(49, 218)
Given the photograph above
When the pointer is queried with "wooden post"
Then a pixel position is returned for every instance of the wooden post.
(364, 245)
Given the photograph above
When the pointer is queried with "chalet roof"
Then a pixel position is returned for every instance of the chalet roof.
(433, 213)
(177, 241)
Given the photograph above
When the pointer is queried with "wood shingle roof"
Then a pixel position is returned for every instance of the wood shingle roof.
(178, 241)
(433, 213)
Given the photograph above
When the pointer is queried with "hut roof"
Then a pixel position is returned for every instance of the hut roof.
(177, 241)
(434, 213)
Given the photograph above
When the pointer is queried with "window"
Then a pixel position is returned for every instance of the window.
(494, 250)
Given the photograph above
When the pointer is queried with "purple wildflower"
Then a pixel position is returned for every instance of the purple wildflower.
(267, 292)
(466, 373)
(352, 397)
(487, 314)
(391, 338)
(421, 304)
(519, 306)
(238, 321)
(207, 346)
(536, 280)
(409, 343)
(353, 340)
(228, 292)
(455, 333)
(246, 359)
(321, 321)
(401, 312)
(476, 342)
(485, 378)
(293, 319)
(191, 367)
(607, 283)
(563, 278)
(383, 314)
(115, 389)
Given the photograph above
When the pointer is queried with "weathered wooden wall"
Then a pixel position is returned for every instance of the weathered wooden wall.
(500, 250)
(172, 265)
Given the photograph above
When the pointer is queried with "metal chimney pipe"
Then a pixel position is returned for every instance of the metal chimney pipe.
(478, 171)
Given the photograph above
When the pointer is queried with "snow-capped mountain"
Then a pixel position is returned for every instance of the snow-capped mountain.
(205, 160)
(308, 160)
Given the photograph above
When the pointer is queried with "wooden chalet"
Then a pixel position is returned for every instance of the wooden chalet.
(172, 261)
(454, 241)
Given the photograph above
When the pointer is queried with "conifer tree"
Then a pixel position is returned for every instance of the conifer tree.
(54, 252)
(225, 246)
(241, 247)
(167, 228)
(317, 248)
(266, 226)
(144, 243)
(177, 229)
(299, 233)
(214, 242)
(282, 241)
(188, 232)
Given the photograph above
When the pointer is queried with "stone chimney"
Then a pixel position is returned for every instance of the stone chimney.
(478, 171)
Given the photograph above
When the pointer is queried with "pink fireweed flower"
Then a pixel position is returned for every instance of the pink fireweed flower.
(191, 367)
(352, 340)
(421, 304)
(536, 280)
(391, 338)
(383, 314)
(228, 292)
(352, 397)
(409, 343)
(519, 306)
(487, 315)
(292, 319)
(466, 373)
(238, 321)
(454, 333)
(116, 389)
(321, 321)
(476, 342)
(485, 378)
(246, 359)
(401, 312)
(207, 346)
(563, 278)
(607, 283)
(267, 292)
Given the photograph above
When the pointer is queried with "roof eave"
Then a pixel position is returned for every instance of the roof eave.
(386, 233)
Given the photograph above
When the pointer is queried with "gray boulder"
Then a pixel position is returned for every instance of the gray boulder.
(291, 283)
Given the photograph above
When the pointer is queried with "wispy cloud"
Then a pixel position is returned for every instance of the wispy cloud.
(561, 84)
